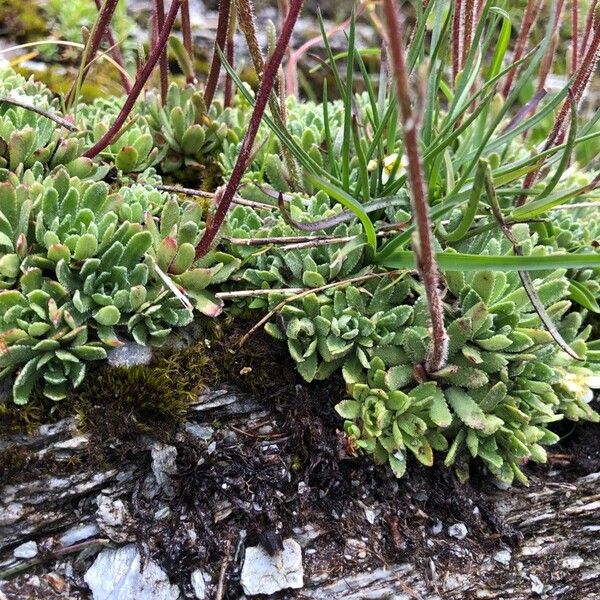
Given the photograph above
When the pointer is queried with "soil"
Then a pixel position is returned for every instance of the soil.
(284, 471)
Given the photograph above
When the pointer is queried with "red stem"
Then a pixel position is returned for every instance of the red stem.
(427, 266)
(529, 18)
(589, 25)
(582, 80)
(186, 30)
(116, 52)
(139, 83)
(104, 18)
(215, 67)
(456, 39)
(266, 87)
(163, 64)
(574, 35)
(230, 54)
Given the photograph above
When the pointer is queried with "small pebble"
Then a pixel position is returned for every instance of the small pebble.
(458, 531)
(26, 550)
(503, 557)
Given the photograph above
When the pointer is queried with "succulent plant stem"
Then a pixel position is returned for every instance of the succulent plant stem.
(220, 41)
(427, 266)
(530, 16)
(139, 83)
(91, 47)
(266, 87)
(163, 65)
(116, 53)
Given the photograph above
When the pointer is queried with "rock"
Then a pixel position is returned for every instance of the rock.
(264, 574)
(26, 550)
(503, 557)
(114, 519)
(202, 432)
(198, 584)
(118, 574)
(572, 562)
(458, 531)
(307, 534)
(163, 465)
(355, 549)
(129, 355)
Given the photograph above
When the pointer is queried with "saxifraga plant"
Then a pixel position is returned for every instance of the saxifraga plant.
(444, 347)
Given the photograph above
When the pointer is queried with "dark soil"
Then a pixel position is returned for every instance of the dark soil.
(286, 468)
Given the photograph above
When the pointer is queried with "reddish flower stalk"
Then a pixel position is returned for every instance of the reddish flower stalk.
(139, 83)
(163, 64)
(574, 35)
(589, 25)
(426, 262)
(529, 18)
(457, 37)
(264, 92)
(549, 56)
(230, 54)
(296, 55)
(245, 11)
(116, 53)
(220, 40)
(89, 52)
(186, 31)
(468, 28)
(582, 80)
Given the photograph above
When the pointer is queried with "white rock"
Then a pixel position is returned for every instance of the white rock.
(264, 574)
(163, 465)
(202, 432)
(458, 531)
(572, 562)
(199, 584)
(118, 574)
(129, 355)
(26, 550)
(503, 557)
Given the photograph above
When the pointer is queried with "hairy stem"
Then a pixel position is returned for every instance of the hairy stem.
(529, 18)
(457, 36)
(428, 270)
(116, 53)
(163, 65)
(91, 47)
(574, 35)
(264, 92)
(186, 31)
(220, 40)
(230, 54)
(139, 83)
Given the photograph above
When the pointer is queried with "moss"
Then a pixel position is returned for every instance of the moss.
(12, 462)
(22, 21)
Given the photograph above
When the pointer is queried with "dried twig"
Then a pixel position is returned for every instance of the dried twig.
(40, 111)
(301, 295)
